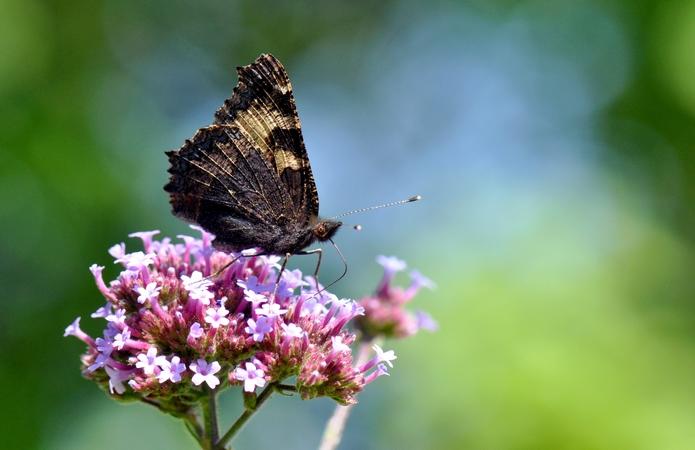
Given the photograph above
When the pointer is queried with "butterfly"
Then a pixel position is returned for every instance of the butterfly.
(246, 178)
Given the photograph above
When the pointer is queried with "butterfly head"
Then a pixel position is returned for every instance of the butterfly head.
(326, 228)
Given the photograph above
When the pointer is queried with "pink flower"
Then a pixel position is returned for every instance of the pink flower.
(171, 370)
(149, 361)
(385, 313)
(164, 301)
(251, 376)
(149, 292)
(258, 328)
(205, 373)
(217, 317)
(270, 310)
(196, 331)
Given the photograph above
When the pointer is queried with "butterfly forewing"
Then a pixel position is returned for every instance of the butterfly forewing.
(247, 177)
(262, 107)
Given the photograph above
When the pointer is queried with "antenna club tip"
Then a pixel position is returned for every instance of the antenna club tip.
(415, 198)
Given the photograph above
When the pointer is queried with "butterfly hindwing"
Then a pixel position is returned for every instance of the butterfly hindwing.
(262, 107)
(220, 181)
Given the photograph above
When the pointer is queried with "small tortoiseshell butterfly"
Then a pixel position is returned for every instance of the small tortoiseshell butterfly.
(246, 178)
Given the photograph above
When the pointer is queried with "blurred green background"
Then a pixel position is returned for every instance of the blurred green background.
(552, 142)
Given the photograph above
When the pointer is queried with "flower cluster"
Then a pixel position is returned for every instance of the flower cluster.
(385, 313)
(183, 318)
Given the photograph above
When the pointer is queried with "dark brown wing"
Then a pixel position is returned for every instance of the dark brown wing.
(220, 181)
(263, 109)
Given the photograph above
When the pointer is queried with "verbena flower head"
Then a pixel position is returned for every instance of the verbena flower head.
(175, 328)
(385, 314)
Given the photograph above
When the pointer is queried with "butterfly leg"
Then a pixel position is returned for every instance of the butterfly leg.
(225, 267)
(282, 269)
(219, 271)
(318, 251)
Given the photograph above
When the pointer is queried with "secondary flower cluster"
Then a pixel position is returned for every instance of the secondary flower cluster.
(385, 314)
(177, 324)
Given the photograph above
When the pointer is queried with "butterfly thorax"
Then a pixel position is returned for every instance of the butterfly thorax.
(293, 239)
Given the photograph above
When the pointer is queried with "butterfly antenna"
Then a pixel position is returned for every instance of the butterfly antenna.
(345, 264)
(414, 198)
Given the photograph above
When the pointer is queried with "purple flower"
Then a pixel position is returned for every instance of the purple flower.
(190, 242)
(252, 284)
(383, 356)
(292, 330)
(99, 362)
(380, 371)
(148, 362)
(117, 251)
(149, 292)
(313, 307)
(391, 264)
(197, 287)
(104, 346)
(293, 278)
(271, 261)
(251, 376)
(105, 349)
(205, 372)
(339, 345)
(171, 370)
(196, 331)
(120, 339)
(116, 379)
(203, 295)
(311, 342)
(146, 237)
(254, 298)
(104, 311)
(118, 317)
(111, 330)
(73, 329)
(206, 238)
(258, 328)
(270, 310)
(217, 317)
(195, 281)
(385, 312)
(425, 322)
(96, 272)
(418, 280)
(136, 261)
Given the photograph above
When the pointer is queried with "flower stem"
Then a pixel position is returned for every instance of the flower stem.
(286, 387)
(194, 428)
(245, 416)
(209, 406)
(335, 426)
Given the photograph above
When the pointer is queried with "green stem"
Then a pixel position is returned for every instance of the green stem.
(286, 387)
(189, 420)
(209, 407)
(194, 428)
(245, 416)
